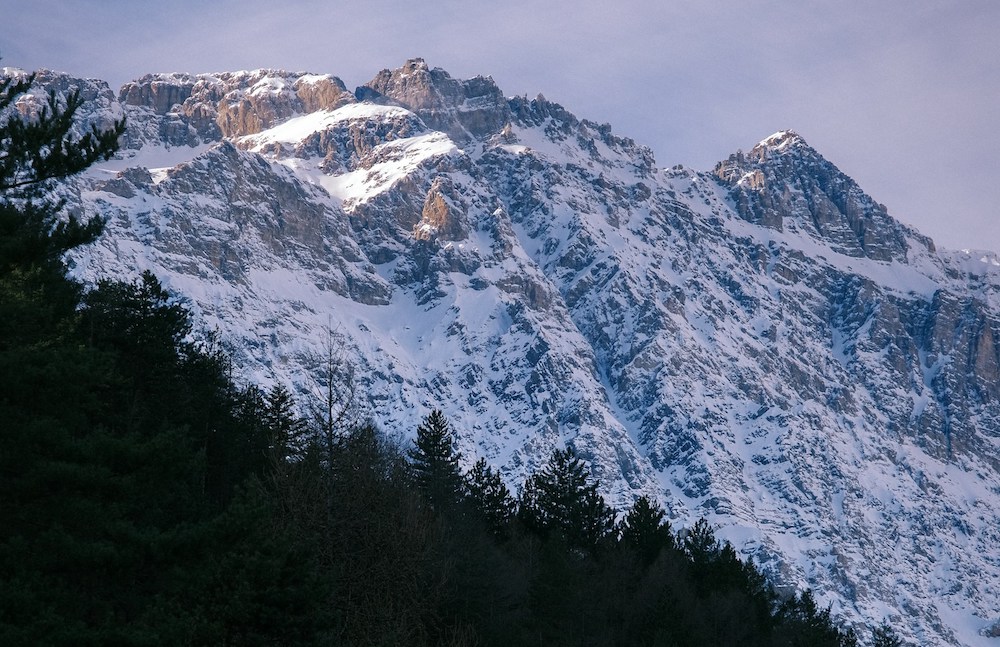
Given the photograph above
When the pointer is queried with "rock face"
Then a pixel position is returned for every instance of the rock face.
(783, 181)
(762, 345)
(463, 109)
(187, 109)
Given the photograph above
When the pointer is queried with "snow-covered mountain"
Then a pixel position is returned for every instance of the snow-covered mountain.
(760, 344)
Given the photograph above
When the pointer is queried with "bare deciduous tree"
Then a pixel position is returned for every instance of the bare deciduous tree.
(333, 405)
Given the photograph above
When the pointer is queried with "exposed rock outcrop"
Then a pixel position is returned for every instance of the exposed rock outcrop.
(783, 181)
(443, 215)
(464, 109)
(205, 107)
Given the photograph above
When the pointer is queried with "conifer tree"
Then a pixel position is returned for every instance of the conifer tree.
(434, 461)
(35, 150)
(107, 520)
(287, 433)
(35, 293)
(490, 497)
(699, 542)
(562, 499)
(885, 636)
(810, 625)
(644, 530)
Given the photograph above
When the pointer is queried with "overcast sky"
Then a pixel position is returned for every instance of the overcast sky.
(902, 95)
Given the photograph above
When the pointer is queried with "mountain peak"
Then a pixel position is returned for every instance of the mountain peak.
(783, 182)
(781, 140)
(782, 144)
(415, 65)
(465, 109)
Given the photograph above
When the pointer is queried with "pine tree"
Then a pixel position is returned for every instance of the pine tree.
(810, 625)
(561, 499)
(33, 152)
(490, 497)
(699, 543)
(50, 384)
(885, 636)
(434, 461)
(36, 297)
(287, 433)
(644, 531)
(107, 519)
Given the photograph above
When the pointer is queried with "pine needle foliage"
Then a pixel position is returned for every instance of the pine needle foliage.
(435, 462)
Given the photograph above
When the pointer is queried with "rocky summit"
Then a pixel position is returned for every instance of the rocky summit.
(760, 344)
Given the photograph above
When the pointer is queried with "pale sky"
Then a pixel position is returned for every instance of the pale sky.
(902, 95)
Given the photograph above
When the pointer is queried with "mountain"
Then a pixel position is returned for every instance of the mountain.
(761, 344)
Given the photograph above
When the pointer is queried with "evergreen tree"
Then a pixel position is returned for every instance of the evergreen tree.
(50, 384)
(37, 300)
(33, 151)
(644, 531)
(699, 543)
(804, 623)
(287, 433)
(144, 322)
(885, 636)
(561, 499)
(490, 497)
(434, 461)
